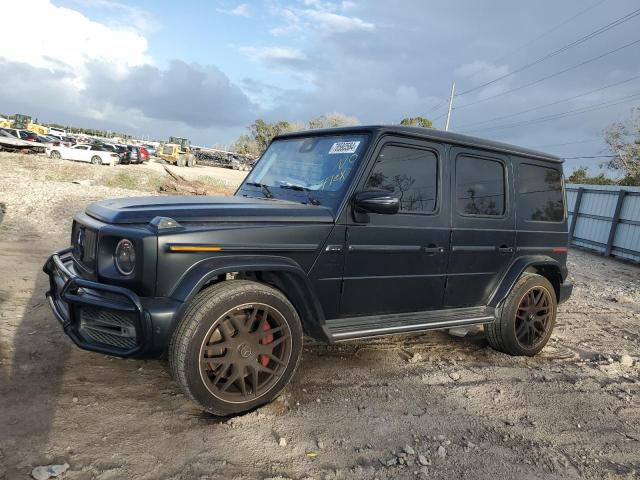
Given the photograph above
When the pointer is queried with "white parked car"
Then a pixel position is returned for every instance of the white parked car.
(84, 153)
(57, 131)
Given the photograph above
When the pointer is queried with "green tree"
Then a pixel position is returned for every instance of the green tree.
(260, 135)
(581, 175)
(417, 122)
(333, 120)
(623, 139)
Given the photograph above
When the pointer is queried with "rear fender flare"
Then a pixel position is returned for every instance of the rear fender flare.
(282, 272)
(520, 266)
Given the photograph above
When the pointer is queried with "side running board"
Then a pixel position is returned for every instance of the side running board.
(380, 325)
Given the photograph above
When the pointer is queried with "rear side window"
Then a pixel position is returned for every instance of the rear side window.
(479, 186)
(540, 190)
(411, 174)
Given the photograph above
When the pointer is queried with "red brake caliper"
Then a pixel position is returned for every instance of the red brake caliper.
(263, 359)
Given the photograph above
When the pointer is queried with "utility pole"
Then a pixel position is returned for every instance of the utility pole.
(453, 90)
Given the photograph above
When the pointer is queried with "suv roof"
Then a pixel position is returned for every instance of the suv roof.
(430, 134)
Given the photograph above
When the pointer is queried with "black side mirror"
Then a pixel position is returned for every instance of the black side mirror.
(376, 201)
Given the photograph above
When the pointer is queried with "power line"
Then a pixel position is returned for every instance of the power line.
(555, 74)
(552, 103)
(551, 30)
(564, 48)
(568, 143)
(559, 115)
(437, 106)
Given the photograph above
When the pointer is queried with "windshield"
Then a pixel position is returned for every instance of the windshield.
(313, 170)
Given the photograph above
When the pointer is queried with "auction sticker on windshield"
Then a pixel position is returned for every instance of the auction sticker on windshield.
(344, 147)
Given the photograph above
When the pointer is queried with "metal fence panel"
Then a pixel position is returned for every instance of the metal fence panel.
(605, 218)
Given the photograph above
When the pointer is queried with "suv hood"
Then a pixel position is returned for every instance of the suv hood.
(207, 209)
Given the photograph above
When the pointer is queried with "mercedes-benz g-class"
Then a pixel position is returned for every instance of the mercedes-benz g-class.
(335, 234)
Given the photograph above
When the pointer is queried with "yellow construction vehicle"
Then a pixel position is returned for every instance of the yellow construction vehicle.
(177, 151)
(5, 123)
(24, 122)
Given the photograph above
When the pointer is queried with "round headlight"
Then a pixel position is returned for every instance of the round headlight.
(125, 258)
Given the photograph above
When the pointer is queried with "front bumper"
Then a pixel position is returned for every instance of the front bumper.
(107, 318)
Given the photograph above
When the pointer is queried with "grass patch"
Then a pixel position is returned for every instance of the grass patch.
(121, 180)
(219, 186)
(130, 180)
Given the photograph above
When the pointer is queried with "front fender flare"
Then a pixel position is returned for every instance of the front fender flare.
(515, 271)
(284, 272)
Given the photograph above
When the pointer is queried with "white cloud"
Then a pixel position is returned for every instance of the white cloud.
(347, 5)
(273, 54)
(138, 18)
(68, 68)
(320, 17)
(292, 23)
(64, 39)
(335, 23)
(241, 10)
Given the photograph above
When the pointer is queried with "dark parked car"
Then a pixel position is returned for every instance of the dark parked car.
(336, 234)
(137, 154)
(151, 149)
(121, 150)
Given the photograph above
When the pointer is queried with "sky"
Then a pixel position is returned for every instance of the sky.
(207, 69)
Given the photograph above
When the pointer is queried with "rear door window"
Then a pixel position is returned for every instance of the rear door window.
(540, 194)
(480, 186)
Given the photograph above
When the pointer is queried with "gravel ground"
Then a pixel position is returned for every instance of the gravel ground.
(421, 406)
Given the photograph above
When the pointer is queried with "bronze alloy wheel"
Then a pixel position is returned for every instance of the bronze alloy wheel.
(534, 316)
(245, 352)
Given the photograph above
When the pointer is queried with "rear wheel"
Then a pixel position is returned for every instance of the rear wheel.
(96, 160)
(236, 347)
(181, 162)
(191, 161)
(525, 321)
(55, 154)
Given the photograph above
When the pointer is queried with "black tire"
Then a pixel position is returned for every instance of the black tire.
(96, 160)
(191, 161)
(181, 162)
(223, 310)
(525, 321)
(55, 154)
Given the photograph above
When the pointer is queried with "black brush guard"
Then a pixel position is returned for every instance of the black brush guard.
(68, 294)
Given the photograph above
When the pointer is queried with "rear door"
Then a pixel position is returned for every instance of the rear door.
(397, 263)
(483, 225)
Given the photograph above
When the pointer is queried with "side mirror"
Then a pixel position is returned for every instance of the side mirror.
(376, 201)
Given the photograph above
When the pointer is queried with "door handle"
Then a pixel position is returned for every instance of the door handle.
(505, 249)
(433, 249)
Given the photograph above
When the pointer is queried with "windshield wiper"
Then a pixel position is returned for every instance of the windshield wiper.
(263, 188)
(300, 188)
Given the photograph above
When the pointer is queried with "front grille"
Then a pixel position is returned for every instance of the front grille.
(108, 327)
(84, 241)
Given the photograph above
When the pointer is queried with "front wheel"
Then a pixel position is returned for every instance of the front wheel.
(525, 321)
(55, 154)
(236, 347)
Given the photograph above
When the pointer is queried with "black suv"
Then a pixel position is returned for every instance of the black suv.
(336, 234)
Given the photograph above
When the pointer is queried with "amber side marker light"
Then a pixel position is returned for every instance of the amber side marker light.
(194, 248)
(560, 250)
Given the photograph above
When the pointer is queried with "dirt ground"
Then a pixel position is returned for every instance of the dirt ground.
(421, 406)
